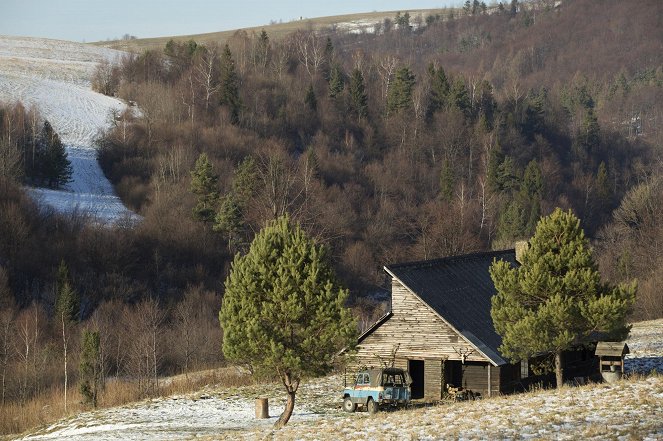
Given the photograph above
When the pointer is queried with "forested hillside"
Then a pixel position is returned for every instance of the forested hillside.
(436, 135)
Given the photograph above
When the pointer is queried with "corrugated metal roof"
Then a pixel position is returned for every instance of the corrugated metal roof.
(459, 289)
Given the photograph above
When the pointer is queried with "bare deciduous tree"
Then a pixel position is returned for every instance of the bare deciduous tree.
(207, 74)
(310, 50)
(386, 67)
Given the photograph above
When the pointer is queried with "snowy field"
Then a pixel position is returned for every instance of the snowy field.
(630, 409)
(54, 76)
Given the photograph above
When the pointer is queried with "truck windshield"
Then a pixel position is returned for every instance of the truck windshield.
(362, 379)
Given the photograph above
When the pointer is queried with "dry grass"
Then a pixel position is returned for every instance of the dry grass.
(186, 383)
(49, 407)
(275, 31)
(626, 410)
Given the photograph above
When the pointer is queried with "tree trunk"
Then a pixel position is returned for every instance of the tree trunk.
(291, 386)
(154, 359)
(64, 346)
(287, 412)
(559, 372)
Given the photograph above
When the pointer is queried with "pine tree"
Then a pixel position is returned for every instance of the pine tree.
(487, 105)
(476, 7)
(531, 195)
(228, 221)
(531, 187)
(399, 97)
(204, 185)
(90, 367)
(556, 299)
(245, 181)
(263, 49)
(310, 99)
(590, 135)
(66, 311)
(230, 218)
(507, 177)
(59, 168)
(467, 7)
(511, 224)
(52, 165)
(358, 98)
(446, 181)
(439, 90)
(229, 85)
(495, 158)
(329, 49)
(283, 312)
(336, 82)
(534, 114)
(603, 188)
(534, 216)
(459, 97)
(402, 21)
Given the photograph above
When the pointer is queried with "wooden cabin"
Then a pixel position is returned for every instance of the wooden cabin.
(440, 330)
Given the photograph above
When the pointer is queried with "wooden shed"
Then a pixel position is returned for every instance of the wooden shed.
(439, 328)
(611, 355)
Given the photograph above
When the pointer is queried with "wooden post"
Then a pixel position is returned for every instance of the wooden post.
(489, 385)
(262, 408)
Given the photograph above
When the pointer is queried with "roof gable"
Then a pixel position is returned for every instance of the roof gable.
(459, 289)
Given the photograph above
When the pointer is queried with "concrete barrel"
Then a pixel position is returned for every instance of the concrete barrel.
(262, 408)
(611, 376)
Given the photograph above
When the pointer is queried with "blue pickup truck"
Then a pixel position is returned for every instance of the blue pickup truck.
(378, 387)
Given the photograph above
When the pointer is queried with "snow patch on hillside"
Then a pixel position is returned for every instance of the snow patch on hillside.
(162, 419)
(54, 76)
(646, 348)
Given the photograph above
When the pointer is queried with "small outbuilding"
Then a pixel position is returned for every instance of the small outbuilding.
(611, 355)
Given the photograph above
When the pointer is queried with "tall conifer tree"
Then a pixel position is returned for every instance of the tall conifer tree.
(439, 90)
(204, 185)
(556, 298)
(358, 98)
(310, 98)
(229, 92)
(90, 367)
(399, 97)
(53, 167)
(283, 311)
(336, 81)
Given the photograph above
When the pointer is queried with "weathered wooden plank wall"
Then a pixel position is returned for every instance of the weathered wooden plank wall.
(475, 378)
(433, 379)
(415, 332)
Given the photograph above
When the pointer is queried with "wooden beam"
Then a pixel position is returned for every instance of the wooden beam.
(489, 384)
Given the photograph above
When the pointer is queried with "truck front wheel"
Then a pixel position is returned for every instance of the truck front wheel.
(348, 405)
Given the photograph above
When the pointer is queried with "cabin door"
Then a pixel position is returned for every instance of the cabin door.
(416, 370)
(453, 373)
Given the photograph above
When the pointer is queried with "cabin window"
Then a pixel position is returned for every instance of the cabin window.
(524, 369)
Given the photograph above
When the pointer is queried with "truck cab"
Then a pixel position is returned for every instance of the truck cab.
(375, 388)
